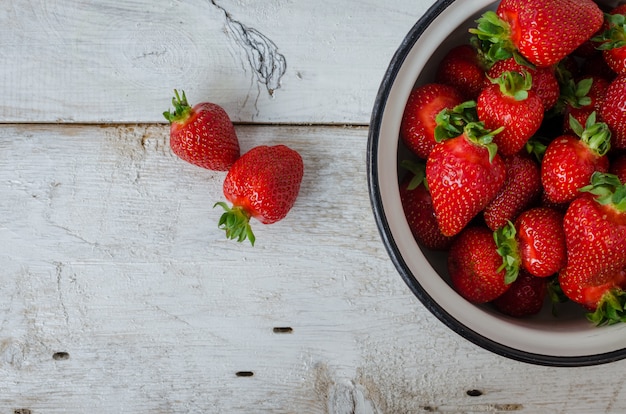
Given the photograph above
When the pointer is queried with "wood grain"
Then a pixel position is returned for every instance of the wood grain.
(271, 61)
(111, 255)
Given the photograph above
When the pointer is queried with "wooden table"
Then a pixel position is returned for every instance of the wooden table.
(119, 294)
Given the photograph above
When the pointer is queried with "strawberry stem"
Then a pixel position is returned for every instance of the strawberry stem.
(610, 309)
(615, 35)
(596, 135)
(451, 121)
(507, 248)
(608, 189)
(235, 221)
(493, 38)
(479, 135)
(182, 109)
(418, 169)
(514, 84)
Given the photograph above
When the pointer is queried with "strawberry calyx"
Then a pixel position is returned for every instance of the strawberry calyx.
(418, 169)
(608, 189)
(615, 35)
(506, 243)
(182, 109)
(476, 133)
(536, 146)
(575, 94)
(492, 38)
(452, 121)
(235, 221)
(514, 84)
(596, 135)
(610, 309)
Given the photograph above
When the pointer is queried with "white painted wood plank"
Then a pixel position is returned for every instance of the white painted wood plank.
(109, 252)
(270, 61)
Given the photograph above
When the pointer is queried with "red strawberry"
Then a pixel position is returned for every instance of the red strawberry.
(202, 135)
(462, 69)
(475, 266)
(464, 174)
(525, 297)
(612, 41)
(264, 183)
(582, 98)
(543, 32)
(418, 209)
(569, 161)
(541, 241)
(613, 111)
(544, 81)
(595, 231)
(509, 102)
(417, 129)
(521, 187)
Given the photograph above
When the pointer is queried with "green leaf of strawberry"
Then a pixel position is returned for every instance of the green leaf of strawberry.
(263, 184)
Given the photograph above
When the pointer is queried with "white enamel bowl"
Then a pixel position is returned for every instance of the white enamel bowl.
(569, 340)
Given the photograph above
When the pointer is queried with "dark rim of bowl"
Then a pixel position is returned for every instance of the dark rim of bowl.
(379, 214)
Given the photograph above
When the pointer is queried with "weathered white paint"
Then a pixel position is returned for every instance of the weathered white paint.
(118, 294)
(112, 61)
(110, 252)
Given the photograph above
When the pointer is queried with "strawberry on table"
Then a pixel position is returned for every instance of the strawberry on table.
(541, 31)
(595, 231)
(570, 160)
(418, 208)
(475, 266)
(521, 188)
(464, 174)
(418, 126)
(264, 183)
(510, 103)
(202, 135)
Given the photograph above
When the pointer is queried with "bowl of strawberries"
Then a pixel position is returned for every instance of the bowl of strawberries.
(497, 174)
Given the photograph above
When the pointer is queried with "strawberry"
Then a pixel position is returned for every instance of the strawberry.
(525, 297)
(202, 135)
(543, 32)
(509, 102)
(425, 102)
(464, 174)
(418, 208)
(521, 187)
(544, 81)
(612, 41)
(264, 183)
(595, 231)
(582, 98)
(541, 241)
(569, 161)
(613, 111)
(475, 266)
(462, 69)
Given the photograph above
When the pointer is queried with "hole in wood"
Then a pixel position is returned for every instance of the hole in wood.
(60, 356)
(283, 329)
(22, 411)
(474, 393)
(244, 373)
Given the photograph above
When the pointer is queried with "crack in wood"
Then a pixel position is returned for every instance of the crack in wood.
(265, 60)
